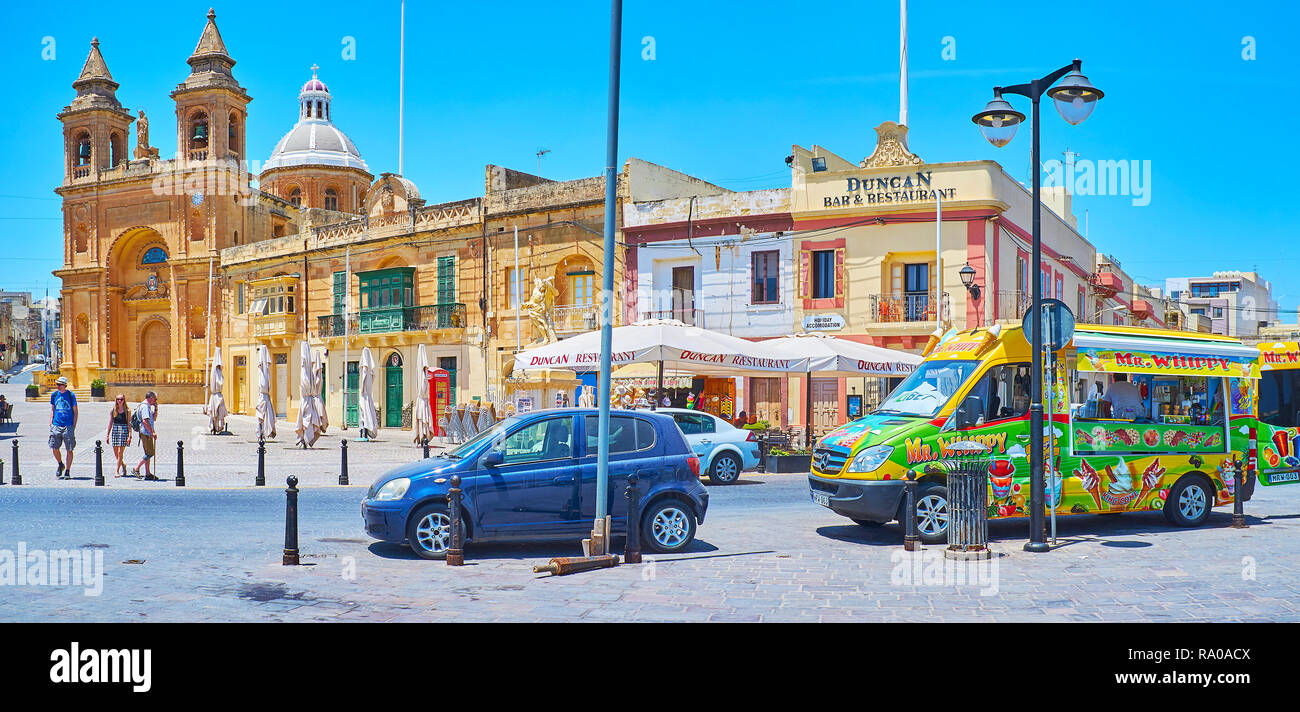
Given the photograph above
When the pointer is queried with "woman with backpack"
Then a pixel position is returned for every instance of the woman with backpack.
(119, 432)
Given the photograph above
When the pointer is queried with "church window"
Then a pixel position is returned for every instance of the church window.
(295, 197)
(154, 256)
(83, 150)
(331, 199)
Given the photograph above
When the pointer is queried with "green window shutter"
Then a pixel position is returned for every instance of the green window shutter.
(340, 287)
(446, 280)
(448, 363)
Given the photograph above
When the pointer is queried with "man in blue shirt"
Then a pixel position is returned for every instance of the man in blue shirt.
(63, 425)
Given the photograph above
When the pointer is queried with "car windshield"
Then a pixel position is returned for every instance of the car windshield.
(929, 387)
(470, 445)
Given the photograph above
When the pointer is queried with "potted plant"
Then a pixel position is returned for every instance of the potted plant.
(33, 391)
(780, 459)
(758, 425)
(97, 388)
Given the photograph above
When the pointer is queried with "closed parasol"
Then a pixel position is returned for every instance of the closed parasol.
(265, 408)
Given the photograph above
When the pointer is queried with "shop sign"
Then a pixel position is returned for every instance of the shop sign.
(1125, 361)
(912, 187)
(823, 322)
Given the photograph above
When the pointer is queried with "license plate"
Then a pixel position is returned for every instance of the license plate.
(1274, 478)
(821, 498)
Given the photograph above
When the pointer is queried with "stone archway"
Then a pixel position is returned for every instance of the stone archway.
(155, 344)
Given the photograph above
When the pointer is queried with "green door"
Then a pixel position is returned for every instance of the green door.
(350, 395)
(393, 397)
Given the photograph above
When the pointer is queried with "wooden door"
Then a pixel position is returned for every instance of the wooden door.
(684, 294)
(350, 396)
(155, 345)
(765, 400)
(280, 378)
(241, 379)
(826, 405)
(393, 397)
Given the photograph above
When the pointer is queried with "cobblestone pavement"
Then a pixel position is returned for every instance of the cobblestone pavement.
(210, 460)
(765, 553)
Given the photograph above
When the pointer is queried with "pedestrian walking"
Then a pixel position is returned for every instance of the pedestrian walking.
(119, 432)
(63, 426)
(143, 422)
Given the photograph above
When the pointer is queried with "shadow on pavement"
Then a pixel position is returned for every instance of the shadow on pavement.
(494, 551)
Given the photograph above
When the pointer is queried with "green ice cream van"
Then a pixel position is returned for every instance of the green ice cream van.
(1135, 419)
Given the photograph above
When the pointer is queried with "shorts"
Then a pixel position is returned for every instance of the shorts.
(62, 436)
(148, 444)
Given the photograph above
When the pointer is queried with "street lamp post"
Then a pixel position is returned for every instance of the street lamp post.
(1075, 98)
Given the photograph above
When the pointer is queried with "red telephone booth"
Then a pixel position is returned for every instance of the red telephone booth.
(439, 396)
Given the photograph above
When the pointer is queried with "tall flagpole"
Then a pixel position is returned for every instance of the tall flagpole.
(401, 96)
(902, 62)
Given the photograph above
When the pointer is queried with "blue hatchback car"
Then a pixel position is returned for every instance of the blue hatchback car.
(533, 477)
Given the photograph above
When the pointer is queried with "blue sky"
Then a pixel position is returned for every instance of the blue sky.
(731, 87)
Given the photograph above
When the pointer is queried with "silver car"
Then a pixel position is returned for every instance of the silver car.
(724, 450)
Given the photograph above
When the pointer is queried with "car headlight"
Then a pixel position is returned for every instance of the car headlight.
(393, 489)
(871, 459)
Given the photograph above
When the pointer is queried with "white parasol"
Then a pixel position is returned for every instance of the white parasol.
(686, 348)
(265, 408)
(311, 412)
(422, 415)
(366, 400)
(318, 387)
(216, 405)
(843, 357)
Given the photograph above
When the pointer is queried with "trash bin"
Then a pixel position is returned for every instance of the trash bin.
(968, 501)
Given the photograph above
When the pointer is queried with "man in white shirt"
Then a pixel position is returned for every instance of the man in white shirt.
(1124, 399)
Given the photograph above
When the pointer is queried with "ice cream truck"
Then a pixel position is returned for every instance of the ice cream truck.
(1278, 406)
(1134, 419)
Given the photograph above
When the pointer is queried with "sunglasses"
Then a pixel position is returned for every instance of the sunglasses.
(119, 398)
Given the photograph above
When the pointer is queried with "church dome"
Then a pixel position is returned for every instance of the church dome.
(315, 140)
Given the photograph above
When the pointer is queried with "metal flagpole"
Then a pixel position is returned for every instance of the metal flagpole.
(902, 63)
(401, 105)
(599, 535)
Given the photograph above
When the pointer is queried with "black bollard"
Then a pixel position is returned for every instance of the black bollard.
(291, 522)
(17, 479)
(1238, 507)
(261, 462)
(456, 552)
(180, 463)
(425, 442)
(911, 542)
(632, 547)
(343, 472)
(99, 463)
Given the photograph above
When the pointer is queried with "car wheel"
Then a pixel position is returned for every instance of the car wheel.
(931, 513)
(428, 531)
(867, 523)
(725, 470)
(668, 527)
(1189, 502)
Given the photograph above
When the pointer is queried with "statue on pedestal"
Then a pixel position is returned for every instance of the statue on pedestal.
(142, 148)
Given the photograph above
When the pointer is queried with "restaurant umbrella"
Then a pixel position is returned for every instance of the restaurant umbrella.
(318, 388)
(422, 415)
(366, 417)
(311, 410)
(833, 356)
(265, 408)
(216, 405)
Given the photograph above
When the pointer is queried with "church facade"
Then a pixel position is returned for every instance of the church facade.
(142, 234)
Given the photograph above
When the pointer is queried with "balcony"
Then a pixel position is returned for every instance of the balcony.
(690, 317)
(1141, 308)
(900, 308)
(275, 325)
(393, 319)
(1013, 304)
(573, 318)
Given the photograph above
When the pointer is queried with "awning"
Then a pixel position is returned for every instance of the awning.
(1122, 353)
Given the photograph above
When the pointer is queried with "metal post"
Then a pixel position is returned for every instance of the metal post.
(456, 552)
(17, 479)
(291, 522)
(261, 462)
(343, 471)
(911, 542)
(99, 463)
(1052, 474)
(519, 296)
(425, 443)
(599, 537)
(632, 547)
(180, 463)
(1037, 536)
(1238, 506)
(807, 410)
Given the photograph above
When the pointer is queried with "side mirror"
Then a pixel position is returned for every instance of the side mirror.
(493, 458)
(969, 412)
